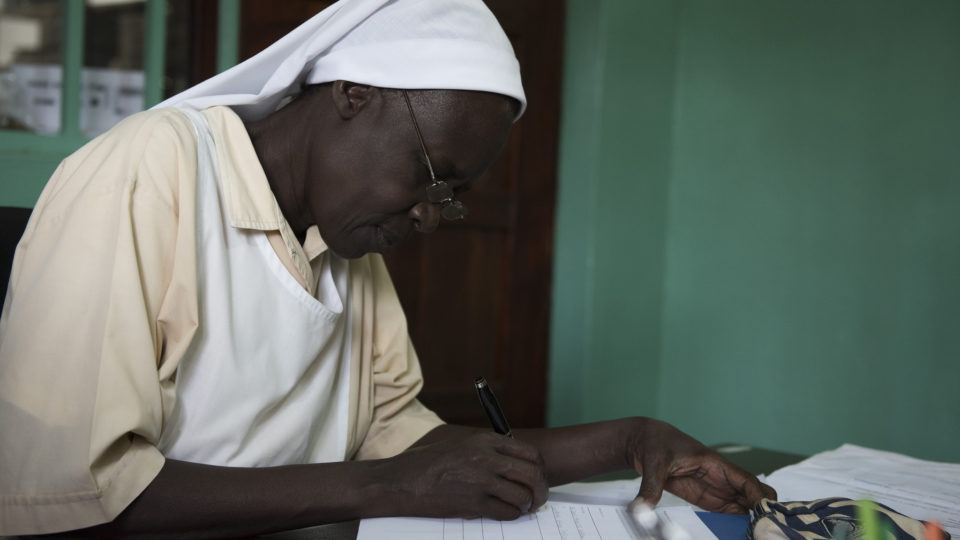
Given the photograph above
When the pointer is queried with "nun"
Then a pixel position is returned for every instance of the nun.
(201, 338)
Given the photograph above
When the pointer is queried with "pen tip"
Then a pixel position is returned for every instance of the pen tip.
(480, 382)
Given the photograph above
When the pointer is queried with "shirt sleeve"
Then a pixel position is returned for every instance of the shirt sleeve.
(101, 304)
(399, 419)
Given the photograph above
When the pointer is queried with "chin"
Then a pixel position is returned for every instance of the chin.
(371, 243)
(350, 253)
(372, 239)
(387, 249)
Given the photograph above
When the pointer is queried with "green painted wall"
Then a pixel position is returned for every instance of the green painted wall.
(27, 161)
(810, 228)
(616, 124)
(23, 176)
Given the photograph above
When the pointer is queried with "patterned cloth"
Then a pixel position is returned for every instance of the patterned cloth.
(826, 519)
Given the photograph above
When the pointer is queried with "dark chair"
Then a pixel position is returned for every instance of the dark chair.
(12, 223)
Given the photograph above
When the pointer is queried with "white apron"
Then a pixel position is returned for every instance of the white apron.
(266, 379)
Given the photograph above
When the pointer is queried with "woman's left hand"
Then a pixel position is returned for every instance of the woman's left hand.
(670, 459)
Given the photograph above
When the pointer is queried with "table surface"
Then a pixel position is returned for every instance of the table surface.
(756, 460)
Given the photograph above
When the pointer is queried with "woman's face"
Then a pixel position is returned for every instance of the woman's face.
(366, 188)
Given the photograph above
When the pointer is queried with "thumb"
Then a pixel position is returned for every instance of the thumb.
(651, 485)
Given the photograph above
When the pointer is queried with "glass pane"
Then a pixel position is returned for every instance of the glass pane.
(112, 78)
(31, 71)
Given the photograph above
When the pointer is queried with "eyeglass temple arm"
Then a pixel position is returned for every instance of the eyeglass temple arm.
(416, 126)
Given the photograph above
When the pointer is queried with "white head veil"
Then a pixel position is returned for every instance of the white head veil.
(410, 44)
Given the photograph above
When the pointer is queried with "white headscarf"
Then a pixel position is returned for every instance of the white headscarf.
(411, 44)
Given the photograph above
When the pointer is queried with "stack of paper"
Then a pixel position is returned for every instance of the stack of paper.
(920, 489)
(595, 510)
(553, 521)
(615, 492)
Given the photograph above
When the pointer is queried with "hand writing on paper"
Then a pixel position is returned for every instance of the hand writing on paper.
(483, 474)
(672, 460)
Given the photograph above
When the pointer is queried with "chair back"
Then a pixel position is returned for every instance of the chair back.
(12, 223)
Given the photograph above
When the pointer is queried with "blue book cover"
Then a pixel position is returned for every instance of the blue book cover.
(726, 526)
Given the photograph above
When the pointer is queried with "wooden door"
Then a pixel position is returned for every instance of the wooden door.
(477, 293)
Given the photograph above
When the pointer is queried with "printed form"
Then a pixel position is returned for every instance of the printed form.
(553, 521)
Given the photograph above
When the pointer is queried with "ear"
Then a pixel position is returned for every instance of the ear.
(350, 98)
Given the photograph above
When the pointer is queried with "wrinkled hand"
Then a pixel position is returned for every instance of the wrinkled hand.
(483, 475)
(672, 460)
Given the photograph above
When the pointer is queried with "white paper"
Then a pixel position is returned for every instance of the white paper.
(94, 101)
(615, 492)
(920, 489)
(107, 97)
(685, 518)
(553, 521)
(36, 100)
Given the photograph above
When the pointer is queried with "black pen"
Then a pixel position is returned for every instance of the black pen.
(491, 407)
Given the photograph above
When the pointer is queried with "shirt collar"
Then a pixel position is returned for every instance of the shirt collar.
(313, 244)
(250, 202)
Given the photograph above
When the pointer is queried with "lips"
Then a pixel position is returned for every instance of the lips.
(388, 238)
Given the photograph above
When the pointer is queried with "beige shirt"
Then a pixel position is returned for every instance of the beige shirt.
(102, 305)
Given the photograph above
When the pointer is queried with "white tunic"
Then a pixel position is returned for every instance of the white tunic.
(266, 380)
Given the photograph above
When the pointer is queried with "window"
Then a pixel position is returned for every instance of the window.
(71, 69)
(31, 70)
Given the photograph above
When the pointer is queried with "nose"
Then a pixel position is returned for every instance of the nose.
(425, 216)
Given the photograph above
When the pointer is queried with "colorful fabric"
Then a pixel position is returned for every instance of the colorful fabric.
(827, 519)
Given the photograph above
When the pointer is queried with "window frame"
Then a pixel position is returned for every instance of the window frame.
(28, 159)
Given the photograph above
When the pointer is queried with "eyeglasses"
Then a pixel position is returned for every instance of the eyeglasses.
(438, 192)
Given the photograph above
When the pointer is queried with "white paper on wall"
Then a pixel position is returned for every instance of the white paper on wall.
(36, 96)
(108, 96)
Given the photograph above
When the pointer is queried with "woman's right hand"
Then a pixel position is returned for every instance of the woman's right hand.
(480, 475)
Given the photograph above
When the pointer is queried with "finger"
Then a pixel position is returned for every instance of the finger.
(748, 488)
(722, 487)
(527, 474)
(713, 498)
(512, 493)
(651, 486)
(733, 508)
(752, 492)
(540, 494)
(768, 492)
(495, 508)
(695, 491)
